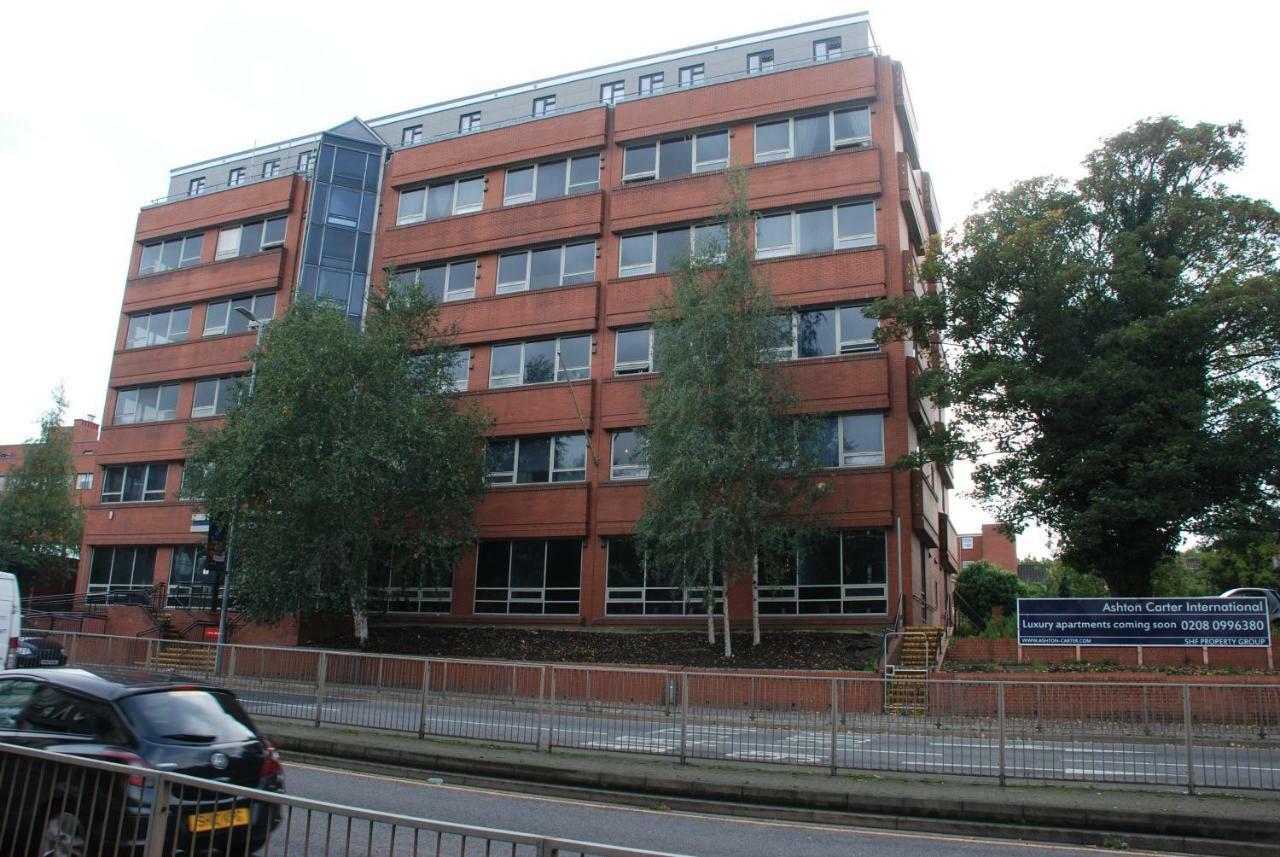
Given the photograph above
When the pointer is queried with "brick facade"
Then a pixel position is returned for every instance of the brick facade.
(990, 545)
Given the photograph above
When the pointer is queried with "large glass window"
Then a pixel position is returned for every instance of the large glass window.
(397, 591)
(191, 586)
(249, 238)
(444, 199)
(826, 332)
(158, 328)
(841, 573)
(551, 179)
(627, 459)
(121, 570)
(565, 359)
(134, 483)
(817, 230)
(676, 156)
(454, 281)
(633, 351)
(160, 256)
(813, 134)
(221, 316)
(529, 576)
(852, 440)
(636, 587)
(529, 460)
(146, 404)
(662, 252)
(215, 396)
(546, 268)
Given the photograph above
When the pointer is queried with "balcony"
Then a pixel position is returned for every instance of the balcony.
(188, 214)
(540, 511)
(913, 279)
(258, 273)
(575, 132)
(564, 310)
(536, 408)
(910, 196)
(622, 401)
(197, 357)
(949, 549)
(906, 113)
(486, 231)
(924, 509)
(929, 198)
(145, 441)
(838, 175)
(858, 498)
(746, 98)
(840, 384)
(138, 523)
(924, 411)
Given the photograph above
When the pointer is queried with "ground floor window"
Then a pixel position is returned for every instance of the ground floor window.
(636, 587)
(843, 573)
(397, 592)
(191, 585)
(529, 576)
(122, 571)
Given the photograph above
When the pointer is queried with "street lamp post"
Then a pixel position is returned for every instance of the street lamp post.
(256, 324)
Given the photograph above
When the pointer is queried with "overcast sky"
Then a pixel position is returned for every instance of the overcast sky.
(98, 102)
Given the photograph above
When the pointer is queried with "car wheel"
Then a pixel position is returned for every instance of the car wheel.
(64, 836)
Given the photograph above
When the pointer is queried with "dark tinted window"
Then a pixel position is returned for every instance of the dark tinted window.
(14, 696)
(52, 709)
(188, 716)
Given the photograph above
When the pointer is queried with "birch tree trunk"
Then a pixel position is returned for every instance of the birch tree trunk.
(728, 638)
(755, 598)
(711, 607)
(360, 622)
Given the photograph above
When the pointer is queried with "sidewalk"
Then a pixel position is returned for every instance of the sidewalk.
(1246, 823)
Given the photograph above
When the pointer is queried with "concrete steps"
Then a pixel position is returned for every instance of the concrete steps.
(907, 691)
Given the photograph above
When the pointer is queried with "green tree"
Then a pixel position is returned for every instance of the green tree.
(983, 586)
(1242, 558)
(41, 521)
(720, 433)
(1063, 581)
(351, 461)
(1114, 349)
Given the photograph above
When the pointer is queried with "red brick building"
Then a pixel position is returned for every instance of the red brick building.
(544, 217)
(990, 545)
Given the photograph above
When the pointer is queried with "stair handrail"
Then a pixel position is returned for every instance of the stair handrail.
(900, 637)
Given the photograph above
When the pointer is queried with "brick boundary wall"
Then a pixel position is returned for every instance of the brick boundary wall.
(970, 650)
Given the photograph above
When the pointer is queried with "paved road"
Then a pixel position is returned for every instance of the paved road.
(1081, 752)
(654, 829)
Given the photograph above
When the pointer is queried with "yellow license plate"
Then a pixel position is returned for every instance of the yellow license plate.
(203, 822)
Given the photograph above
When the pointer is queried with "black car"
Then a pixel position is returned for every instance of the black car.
(38, 652)
(160, 721)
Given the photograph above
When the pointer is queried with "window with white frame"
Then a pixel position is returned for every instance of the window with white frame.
(468, 122)
(445, 199)
(826, 332)
(248, 238)
(195, 187)
(532, 460)
(544, 105)
(633, 351)
(818, 230)
(134, 483)
(121, 569)
(551, 179)
(662, 251)
(635, 586)
(613, 92)
(397, 590)
(271, 168)
(158, 328)
(159, 256)
(529, 576)
(215, 396)
(651, 84)
(459, 367)
(546, 268)
(567, 358)
(221, 316)
(236, 176)
(146, 404)
(692, 75)
(812, 134)
(851, 440)
(760, 62)
(411, 136)
(676, 156)
(450, 281)
(845, 572)
(826, 49)
(966, 542)
(2, 482)
(306, 160)
(84, 481)
(626, 460)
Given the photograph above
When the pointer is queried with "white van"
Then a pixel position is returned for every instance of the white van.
(10, 619)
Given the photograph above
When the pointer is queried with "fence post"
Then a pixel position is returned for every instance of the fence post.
(514, 695)
(75, 645)
(231, 663)
(158, 825)
(684, 718)
(149, 656)
(551, 730)
(1186, 723)
(1000, 716)
(1262, 716)
(542, 680)
(752, 706)
(108, 658)
(835, 706)
(422, 701)
(444, 680)
(587, 702)
(1039, 707)
(322, 667)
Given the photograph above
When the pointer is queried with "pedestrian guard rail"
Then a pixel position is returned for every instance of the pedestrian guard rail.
(54, 804)
(1192, 735)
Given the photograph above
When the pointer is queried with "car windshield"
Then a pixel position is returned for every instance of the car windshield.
(188, 716)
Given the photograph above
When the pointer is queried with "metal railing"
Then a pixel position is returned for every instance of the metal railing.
(1188, 735)
(52, 803)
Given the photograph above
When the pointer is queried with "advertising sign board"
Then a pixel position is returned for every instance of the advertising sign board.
(1229, 622)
